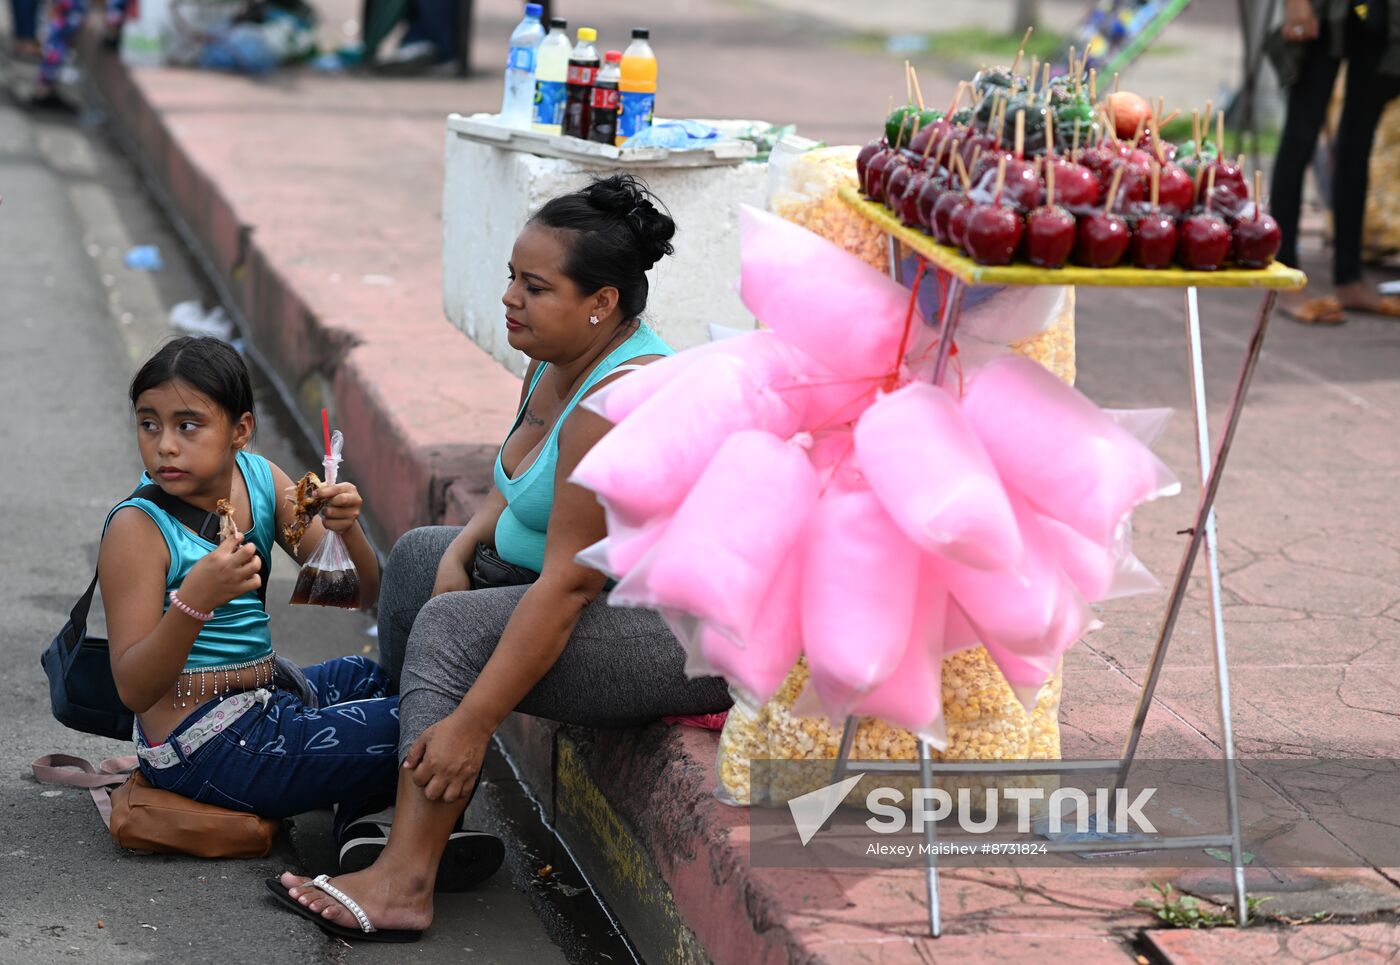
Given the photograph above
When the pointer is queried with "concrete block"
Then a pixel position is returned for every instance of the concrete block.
(490, 193)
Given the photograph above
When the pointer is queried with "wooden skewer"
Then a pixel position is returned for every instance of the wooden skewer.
(929, 146)
(1113, 191)
(1258, 193)
(1020, 132)
(1156, 182)
(972, 166)
(1200, 173)
(1170, 117)
(1115, 81)
(1093, 84)
(1210, 187)
(1137, 133)
(1034, 75)
(1049, 133)
(1001, 180)
(1206, 115)
(899, 138)
(908, 85)
(1220, 135)
(962, 172)
(1049, 182)
(938, 155)
(1045, 81)
(1021, 52)
(1074, 142)
(1196, 131)
(918, 93)
(957, 96)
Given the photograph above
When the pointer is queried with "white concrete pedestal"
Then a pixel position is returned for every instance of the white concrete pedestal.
(490, 192)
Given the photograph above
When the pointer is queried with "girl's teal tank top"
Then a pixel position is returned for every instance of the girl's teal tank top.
(520, 532)
(238, 633)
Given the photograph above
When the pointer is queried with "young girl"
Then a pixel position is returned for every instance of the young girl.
(190, 647)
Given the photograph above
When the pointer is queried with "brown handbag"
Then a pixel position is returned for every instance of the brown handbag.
(145, 818)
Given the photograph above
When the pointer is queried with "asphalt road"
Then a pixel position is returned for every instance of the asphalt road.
(75, 325)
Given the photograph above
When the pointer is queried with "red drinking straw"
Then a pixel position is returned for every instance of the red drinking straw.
(326, 430)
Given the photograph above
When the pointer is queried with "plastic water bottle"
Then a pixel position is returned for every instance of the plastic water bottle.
(583, 71)
(637, 102)
(518, 102)
(602, 106)
(146, 34)
(551, 70)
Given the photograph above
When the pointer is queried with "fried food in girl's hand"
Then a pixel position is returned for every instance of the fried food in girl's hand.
(305, 505)
(227, 527)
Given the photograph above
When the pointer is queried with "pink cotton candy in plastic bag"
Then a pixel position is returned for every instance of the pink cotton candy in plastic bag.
(935, 480)
(760, 662)
(647, 464)
(738, 525)
(912, 695)
(860, 581)
(819, 298)
(1029, 610)
(1099, 573)
(1068, 457)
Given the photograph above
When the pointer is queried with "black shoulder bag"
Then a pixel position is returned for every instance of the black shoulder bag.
(79, 668)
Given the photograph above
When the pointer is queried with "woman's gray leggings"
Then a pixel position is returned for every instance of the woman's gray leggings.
(621, 667)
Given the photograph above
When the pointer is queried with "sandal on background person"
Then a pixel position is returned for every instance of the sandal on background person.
(1324, 310)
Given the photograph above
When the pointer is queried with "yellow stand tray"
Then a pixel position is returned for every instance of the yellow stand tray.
(956, 263)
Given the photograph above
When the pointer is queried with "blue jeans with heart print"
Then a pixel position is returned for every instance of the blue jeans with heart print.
(282, 758)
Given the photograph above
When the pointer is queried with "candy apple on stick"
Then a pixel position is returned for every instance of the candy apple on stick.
(1103, 236)
(1257, 239)
(960, 212)
(1204, 238)
(1050, 229)
(1154, 241)
(993, 231)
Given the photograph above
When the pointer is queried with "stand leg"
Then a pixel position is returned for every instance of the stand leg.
(1222, 668)
(896, 260)
(1209, 487)
(935, 914)
(952, 315)
(843, 755)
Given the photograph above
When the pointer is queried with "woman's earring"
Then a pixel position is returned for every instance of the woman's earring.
(593, 319)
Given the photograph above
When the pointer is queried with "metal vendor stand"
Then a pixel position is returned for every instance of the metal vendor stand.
(964, 272)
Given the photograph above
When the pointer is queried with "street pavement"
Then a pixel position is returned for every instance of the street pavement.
(76, 323)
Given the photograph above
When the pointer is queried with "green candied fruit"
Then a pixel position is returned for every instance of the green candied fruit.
(901, 118)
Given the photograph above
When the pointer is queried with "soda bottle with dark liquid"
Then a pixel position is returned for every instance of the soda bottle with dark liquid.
(583, 71)
(602, 106)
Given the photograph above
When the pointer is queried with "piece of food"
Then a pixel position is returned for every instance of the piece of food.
(1204, 242)
(1128, 110)
(993, 234)
(228, 529)
(1049, 236)
(305, 505)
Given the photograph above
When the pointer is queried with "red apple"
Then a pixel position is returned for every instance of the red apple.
(1075, 185)
(1154, 240)
(863, 158)
(1177, 191)
(929, 194)
(943, 209)
(1203, 242)
(1049, 235)
(907, 206)
(1101, 240)
(1256, 241)
(897, 177)
(993, 234)
(874, 182)
(957, 220)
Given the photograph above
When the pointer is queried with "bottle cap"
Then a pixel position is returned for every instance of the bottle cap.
(558, 23)
(613, 56)
(534, 10)
(641, 33)
(587, 34)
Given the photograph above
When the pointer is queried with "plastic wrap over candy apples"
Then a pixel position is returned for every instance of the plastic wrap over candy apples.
(804, 490)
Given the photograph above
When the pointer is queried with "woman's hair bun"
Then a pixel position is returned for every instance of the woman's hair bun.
(629, 199)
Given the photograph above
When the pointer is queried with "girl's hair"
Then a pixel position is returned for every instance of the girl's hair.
(618, 234)
(211, 366)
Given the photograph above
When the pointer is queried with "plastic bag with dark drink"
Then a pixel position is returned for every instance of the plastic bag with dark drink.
(329, 577)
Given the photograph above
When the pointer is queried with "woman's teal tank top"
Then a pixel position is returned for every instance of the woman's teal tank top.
(520, 532)
(238, 633)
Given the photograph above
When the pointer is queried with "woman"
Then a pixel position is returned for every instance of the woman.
(552, 648)
(1317, 36)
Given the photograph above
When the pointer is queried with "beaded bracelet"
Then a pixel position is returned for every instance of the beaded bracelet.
(188, 610)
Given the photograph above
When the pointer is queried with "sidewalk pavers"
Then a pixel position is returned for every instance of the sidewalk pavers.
(317, 199)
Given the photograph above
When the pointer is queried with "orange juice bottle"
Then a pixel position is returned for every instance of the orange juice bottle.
(638, 86)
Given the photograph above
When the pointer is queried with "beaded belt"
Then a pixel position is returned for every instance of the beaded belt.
(220, 716)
